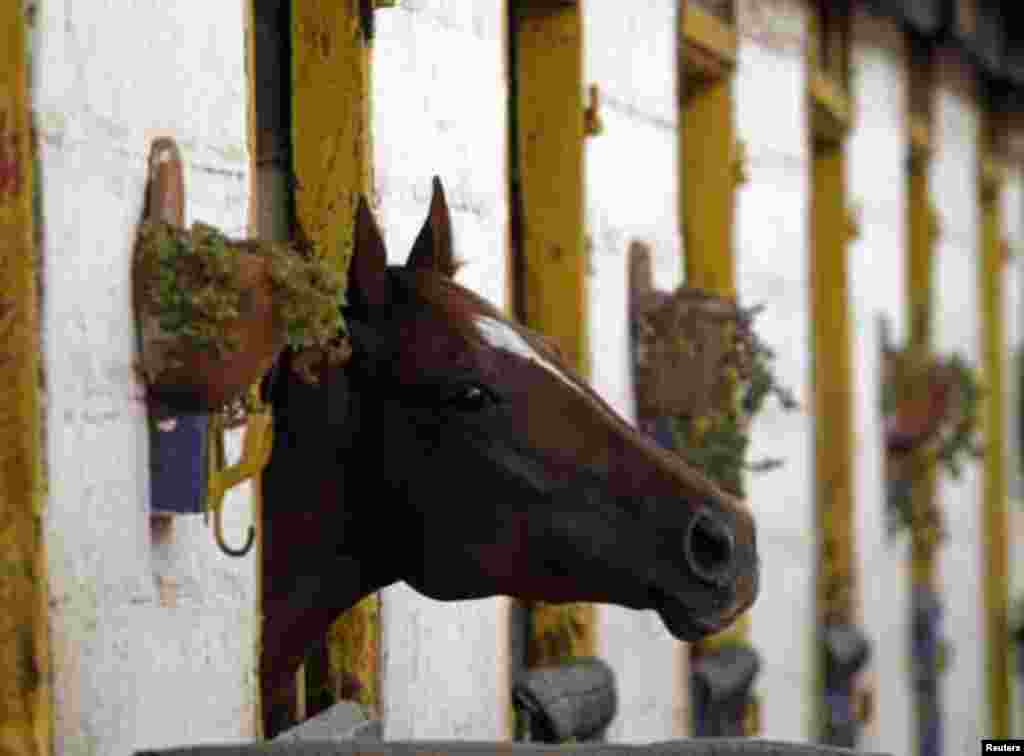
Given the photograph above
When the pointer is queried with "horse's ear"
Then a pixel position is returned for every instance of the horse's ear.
(367, 279)
(433, 247)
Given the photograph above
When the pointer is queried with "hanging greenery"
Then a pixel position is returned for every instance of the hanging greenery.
(200, 296)
(931, 410)
(700, 362)
(933, 402)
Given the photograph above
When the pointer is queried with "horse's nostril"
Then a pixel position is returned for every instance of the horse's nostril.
(709, 549)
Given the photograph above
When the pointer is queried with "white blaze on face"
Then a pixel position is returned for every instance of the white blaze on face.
(503, 336)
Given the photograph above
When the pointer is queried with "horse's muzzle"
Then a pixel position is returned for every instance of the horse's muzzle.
(719, 552)
(710, 549)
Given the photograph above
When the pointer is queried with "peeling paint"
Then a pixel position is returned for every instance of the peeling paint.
(10, 158)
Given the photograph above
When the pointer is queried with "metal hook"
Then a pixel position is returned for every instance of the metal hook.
(218, 534)
(255, 454)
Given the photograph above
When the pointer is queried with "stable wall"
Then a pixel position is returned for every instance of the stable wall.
(152, 635)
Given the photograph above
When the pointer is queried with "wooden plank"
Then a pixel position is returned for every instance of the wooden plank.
(831, 347)
(548, 259)
(549, 117)
(925, 531)
(995, 546)
(311, 143)
(831, 377)
(711, 170)
(25, 716)
(332, 151)
(919, 299)
(830, 115)
(707, 145)
(332, 156)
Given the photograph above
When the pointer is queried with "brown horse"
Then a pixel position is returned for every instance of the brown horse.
(458, 452)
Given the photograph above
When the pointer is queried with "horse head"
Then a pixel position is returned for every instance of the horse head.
(457, 451)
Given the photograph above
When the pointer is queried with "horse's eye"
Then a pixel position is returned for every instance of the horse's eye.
(470, 397)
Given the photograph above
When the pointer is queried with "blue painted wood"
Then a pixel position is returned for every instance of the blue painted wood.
(847, 651)
(927, 613)
(177, 464)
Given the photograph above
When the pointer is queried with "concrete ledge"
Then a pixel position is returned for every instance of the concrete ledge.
(342, 721)
(682, 747)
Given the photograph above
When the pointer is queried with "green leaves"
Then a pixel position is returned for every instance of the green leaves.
(308, 297)
(717, 442)
(188, 282)
(190, 285)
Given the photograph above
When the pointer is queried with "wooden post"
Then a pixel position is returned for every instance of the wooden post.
(25, 716)
(549, 119)
(332, 154)
(925, 531)
(307, 181)
(995, 546)
(711, 158)
(831, 228)
(548, 256)
(712, 167)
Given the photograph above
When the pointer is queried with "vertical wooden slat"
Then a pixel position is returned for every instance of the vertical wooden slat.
(925, 532)
(829, 114)
(837, 585)
(708, 178)
(332, 160)
(995, 546)
(331, 150)
(25, 717)
(271, 212)
(831, 376)
(549, 119)
(310, 70)
(548, 259)
(710, 170)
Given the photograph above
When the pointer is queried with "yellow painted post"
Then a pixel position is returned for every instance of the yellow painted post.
(549, 121)
(712, 167)
(25, 716)
(836, 579)
(548, 253)
(921, 235)
(995, 546)
(926, 522)
(830, 114)
(832, 387)
(332, 160)
(710, 164)
(331, 148)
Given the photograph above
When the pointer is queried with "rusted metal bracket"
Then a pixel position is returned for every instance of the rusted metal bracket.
(592, 123)
(740, 161)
